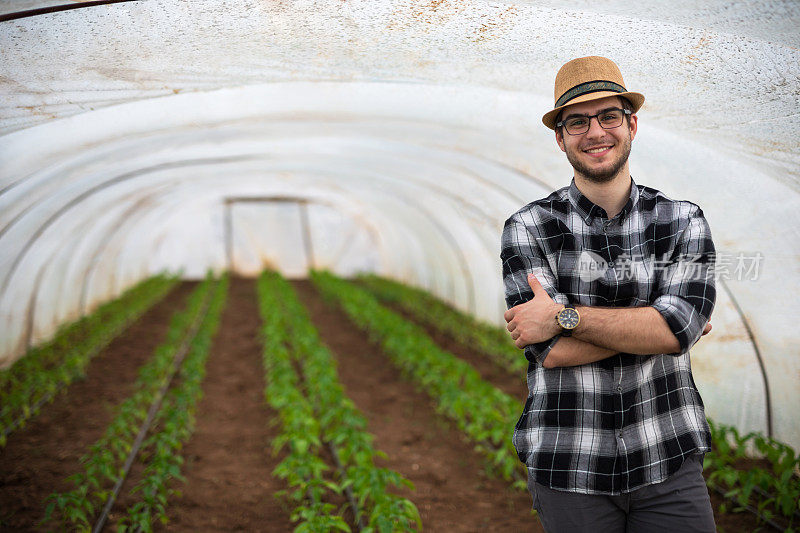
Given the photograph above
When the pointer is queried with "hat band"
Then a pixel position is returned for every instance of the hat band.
(589, 87)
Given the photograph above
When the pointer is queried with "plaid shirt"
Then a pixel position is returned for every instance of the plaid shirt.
(627, 421)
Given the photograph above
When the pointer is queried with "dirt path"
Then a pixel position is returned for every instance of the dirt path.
(38, 458)
(452, 493)
(229, 484)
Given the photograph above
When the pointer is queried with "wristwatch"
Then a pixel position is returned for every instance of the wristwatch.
(568, 318)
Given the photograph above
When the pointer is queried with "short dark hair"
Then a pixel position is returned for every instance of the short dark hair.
(626, 104)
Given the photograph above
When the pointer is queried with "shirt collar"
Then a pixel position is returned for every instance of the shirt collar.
(588, 210)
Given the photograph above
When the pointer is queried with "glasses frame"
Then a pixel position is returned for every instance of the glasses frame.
(597, 116)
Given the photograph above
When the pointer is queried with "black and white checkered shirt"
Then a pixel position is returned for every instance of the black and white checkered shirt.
(629, 420)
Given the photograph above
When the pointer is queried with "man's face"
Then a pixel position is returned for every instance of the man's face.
(599, 154)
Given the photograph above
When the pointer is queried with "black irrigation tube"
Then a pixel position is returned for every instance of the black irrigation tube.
(151, 414)
(748, 507)
(332, 449)
(762, 492)
(347, 490)
(19, 421)
(54, 9)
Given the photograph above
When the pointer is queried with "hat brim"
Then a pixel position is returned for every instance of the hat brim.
(636, 100)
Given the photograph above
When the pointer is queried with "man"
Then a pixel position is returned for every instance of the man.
(608, 285)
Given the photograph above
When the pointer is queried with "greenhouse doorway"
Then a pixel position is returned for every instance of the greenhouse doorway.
(294, 235)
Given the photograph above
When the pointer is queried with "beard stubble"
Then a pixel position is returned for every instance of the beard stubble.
(599, 175)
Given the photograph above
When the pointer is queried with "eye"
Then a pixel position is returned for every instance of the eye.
(578, 121)
(610, 117)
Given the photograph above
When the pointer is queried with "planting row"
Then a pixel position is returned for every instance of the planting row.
(318, 420)
(45, 370)
(154, 411)
(494, 342)
(484, 413)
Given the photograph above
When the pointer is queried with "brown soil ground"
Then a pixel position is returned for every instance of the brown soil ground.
(229, 486)
(38, 458)
(452, 492)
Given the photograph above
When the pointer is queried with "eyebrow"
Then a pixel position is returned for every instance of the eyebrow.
(599, 113)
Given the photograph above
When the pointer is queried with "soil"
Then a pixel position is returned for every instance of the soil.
(229, 460)
(39, 457)
(452, 492)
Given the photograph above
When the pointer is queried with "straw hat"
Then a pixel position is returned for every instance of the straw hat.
(585, 79)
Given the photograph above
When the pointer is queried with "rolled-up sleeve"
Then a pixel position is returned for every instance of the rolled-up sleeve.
(521, 255)
(686, 288)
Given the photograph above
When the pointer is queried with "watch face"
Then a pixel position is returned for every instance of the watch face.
(568, 318)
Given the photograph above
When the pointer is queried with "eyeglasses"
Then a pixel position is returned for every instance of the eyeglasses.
(608, 120)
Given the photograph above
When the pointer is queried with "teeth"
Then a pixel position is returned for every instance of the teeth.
(596, 150)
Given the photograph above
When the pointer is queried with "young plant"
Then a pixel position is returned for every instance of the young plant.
(773, 492)
(337, 422)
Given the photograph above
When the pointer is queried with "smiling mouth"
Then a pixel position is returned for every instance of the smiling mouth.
(597, 151)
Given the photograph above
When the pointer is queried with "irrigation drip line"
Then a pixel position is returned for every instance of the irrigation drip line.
(747, 507)
(347, 490)
(766, 494)
(50, 395)
(151, 414)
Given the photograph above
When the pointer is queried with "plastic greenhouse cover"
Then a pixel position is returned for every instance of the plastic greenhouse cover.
(381, 136)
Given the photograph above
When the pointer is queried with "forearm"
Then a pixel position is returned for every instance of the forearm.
(569, 351)
(636, 330)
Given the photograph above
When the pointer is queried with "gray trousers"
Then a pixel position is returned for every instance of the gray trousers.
(680, 503)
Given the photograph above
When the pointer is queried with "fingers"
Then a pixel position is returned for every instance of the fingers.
(511, 326)
(509, 315)
(707, 328)
(536, 287)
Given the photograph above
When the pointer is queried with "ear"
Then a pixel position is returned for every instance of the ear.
(634, 125)
(560, 139)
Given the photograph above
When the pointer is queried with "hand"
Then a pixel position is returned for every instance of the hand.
(535, 320)
(706, 329)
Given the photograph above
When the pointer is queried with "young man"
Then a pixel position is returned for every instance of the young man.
(608, 285)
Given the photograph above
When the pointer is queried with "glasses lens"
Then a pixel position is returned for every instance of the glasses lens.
(576, 125)
(611, 118)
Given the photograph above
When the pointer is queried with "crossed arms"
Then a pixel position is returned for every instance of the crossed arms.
(673, 322)
(602, 332)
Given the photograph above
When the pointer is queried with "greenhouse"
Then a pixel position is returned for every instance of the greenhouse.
(250, 272)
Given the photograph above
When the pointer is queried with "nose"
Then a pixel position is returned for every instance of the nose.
(595, 129)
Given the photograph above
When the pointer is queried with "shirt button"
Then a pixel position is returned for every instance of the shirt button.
(620, 434)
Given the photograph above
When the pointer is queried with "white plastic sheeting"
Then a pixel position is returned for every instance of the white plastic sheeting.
(394, 137)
